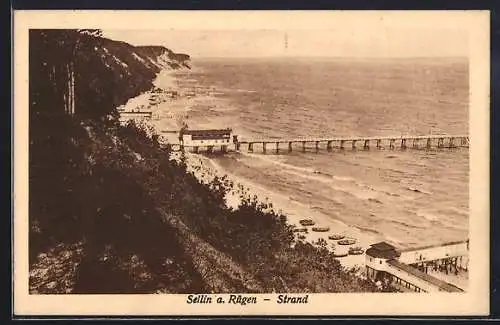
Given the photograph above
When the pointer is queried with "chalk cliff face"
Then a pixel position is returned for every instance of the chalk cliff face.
(163, 57)
(88, 75)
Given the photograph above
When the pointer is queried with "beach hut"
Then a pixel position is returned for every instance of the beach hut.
(208, 139)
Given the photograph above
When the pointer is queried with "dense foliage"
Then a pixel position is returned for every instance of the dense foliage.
(111, 211)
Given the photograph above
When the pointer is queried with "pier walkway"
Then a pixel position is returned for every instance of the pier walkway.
(411, 278)
(379, 142)
(126, 115)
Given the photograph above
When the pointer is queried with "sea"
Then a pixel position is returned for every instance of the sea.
(408, 198)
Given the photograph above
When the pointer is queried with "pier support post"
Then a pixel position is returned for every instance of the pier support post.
(289, 147)
(366, 145)
(195, 149)
(429, 143)
(378, 143)
(342, 144)
(440, 142)
(210, 149)
(415, 143)
(237, 146)
(403, 144)
(250, 147)
(264, 147)
(329, 146)
(223, 149)
(277, 147)
(391, 143)
(303, 146)
(354, 144)
(317, 146)
(464, 141)
(451, 144)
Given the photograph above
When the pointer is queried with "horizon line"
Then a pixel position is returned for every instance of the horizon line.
(331, 57)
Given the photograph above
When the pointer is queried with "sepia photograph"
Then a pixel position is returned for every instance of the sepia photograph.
(266, 163)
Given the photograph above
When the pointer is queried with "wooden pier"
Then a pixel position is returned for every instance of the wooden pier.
(354, 143)
(408, 269)
(449, 257)
(132, 114)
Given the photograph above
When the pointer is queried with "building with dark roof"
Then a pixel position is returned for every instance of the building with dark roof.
(207, 138)
(382, 250)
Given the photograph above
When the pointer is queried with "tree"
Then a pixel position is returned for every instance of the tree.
(55, 53)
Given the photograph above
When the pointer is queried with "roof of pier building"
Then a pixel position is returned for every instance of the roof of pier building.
(383, 250)
(208, 134)
(207, 131)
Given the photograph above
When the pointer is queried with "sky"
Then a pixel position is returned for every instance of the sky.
(338, 35)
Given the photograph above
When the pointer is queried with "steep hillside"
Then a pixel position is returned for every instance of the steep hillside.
(91, 76)
(112, 212)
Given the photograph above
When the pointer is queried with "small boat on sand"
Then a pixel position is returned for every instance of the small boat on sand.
(348, 241)
(340, 253)
(301, 230)
(307, 222)
(336, 237)
(321, 229)
(356, 251)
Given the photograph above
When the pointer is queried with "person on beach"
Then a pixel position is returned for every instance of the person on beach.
(181, 133)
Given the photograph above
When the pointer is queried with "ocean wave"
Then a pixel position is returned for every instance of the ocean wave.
(458, 211)
(418, 190)
(369, 230)
(236, 90)
(344, 178)
(372, 199)
(322, 173)
(361, 195)
(244, 91)
(348, 185)
(391, 194)
(307, 170)
(428, 216)
(407, 225)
